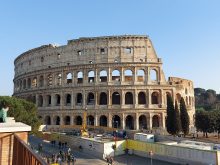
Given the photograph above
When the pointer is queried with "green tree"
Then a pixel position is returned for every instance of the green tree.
(22, 111)
(184, 117)
(170, 115)
(177, 122)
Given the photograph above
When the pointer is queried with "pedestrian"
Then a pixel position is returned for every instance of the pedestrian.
(59, 160)
(69, 150)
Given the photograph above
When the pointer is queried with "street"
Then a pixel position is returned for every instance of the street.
(85, 159)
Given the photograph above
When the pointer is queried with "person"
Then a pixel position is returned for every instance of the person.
(69, 150)
(3, 112)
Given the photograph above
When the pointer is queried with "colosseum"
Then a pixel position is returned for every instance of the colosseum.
(117, 80)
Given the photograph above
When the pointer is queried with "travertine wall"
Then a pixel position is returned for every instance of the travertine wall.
(119, 80)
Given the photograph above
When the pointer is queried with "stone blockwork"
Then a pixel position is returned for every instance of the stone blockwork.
(119, 80)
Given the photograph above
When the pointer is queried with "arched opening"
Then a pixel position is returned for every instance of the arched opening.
(186, 91)
(153, 75)
(115, 75)
(128, 75)
(128, 98)
(79, 99)
(155, 122)
(80, 77)
(20, 84)
(48, 100)
(49, 80)
(140, 75)
(141, 98)
(69, 78)
(24, 84)
(59, 79)
(67, 120)
(116, 98)
(57, 99)
(129, 122)
(178, 97)
(47, 120)
(34, 82)
(41, 81)
(57, 120)
(116, 121)
(68, 99)
(103, 99)
(78, 120)
(103, 76)
(90, 99)
(29, 83)
(40, 101)
(142, 122)
(103, 121)
(90, 120)
(155, 98)
(187, 101)
(91, 76)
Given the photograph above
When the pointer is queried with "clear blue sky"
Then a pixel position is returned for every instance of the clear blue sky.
(185, 33)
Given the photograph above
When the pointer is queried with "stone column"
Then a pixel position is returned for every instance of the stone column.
(135, 97)
(84, 104)
(137, 121)
(61, 120)
(109, 120)
(149, 98)
(96, 99)
(123, 121)
(109, 99)
(96, 120)
(73, 103)
(71, 120)
(96, 76)
(135, 75)
(122, 98)
(109, 74)
(150, 122)
(122, 74)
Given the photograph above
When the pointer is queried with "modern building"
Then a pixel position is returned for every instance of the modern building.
(119, 80)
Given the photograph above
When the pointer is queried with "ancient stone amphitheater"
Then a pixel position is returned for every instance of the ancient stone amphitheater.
(118, 80)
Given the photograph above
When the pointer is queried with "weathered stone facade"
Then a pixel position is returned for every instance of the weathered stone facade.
(118, 79)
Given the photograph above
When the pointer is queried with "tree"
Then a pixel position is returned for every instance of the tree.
(184, 117)
(177, 122)
(22, 111)
(170, 115)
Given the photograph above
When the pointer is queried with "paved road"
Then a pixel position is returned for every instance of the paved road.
(85, 159)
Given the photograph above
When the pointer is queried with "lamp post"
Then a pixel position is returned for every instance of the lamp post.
(151, 155)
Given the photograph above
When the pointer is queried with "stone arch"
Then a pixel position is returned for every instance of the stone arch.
(34, 82)
(116, 121)
(178, 97)
(40, 101)
(129, 122)
(103, 76)
(128, 75)
(103, 121)
(58, 99)
(116, 98)
(128, 98)
(57, 120)
(68, 99)
(142, 122)
(141, 98)
(41, 81)
(47, 120)
(79, 99)
(69, 78)
(91, 76)
(78, 120)
(90, 99)
(103, 98)
(24, 84)
(49, 80)
(153, 75)
(140, 75)
(80, 77)
(29, 83)
(116, 75)
(90, 120)
(67, 120)
(155, 98)
(155, 121)
(49, 100)
(58, 79)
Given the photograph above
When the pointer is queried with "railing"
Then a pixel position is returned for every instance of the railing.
(23, 155)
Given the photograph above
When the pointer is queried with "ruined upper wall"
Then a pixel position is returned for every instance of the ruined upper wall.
(109, 49)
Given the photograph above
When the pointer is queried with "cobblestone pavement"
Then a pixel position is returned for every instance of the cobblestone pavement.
(85, 159)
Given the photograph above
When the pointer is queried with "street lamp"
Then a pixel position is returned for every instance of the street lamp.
(151, 155)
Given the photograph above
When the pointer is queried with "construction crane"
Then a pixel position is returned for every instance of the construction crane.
(84, 131)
